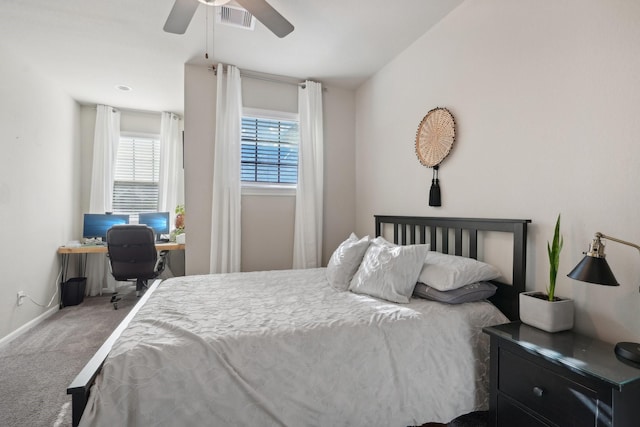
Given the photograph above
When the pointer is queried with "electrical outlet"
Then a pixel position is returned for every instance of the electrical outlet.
(21, 296)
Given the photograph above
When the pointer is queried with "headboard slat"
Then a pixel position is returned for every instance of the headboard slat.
(458, 242)
(473, 244)
(432, 238)
(445, 240)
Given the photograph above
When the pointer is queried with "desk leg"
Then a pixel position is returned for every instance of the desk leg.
(64, 264)
(83, 265)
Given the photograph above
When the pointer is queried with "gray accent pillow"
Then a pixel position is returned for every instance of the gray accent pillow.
(468, 293)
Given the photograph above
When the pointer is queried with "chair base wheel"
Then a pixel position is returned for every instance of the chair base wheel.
(114, 300)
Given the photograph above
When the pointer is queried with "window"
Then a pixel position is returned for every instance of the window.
(135, 186)
(269, 147)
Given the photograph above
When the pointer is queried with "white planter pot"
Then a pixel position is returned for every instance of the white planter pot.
(550, 316)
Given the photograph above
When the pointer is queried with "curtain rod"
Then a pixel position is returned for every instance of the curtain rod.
(132, 110)
(265, 77)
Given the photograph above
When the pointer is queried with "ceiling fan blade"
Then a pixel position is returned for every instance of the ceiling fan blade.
(180, 16)
(269, 17)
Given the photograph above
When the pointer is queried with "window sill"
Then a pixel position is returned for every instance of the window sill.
(268, 190)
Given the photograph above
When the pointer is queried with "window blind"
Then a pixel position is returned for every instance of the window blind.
(135, 187)
(269, 150)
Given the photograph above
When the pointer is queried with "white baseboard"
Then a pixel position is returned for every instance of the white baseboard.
(24, 328)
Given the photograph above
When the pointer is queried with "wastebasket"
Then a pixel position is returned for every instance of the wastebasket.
(73, 291)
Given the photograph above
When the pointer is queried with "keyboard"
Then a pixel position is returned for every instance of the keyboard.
(94, 244)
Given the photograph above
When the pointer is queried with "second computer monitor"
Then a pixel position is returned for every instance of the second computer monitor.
(159, 221)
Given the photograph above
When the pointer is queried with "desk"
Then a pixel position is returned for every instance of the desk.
(65, 251)
(102, 249)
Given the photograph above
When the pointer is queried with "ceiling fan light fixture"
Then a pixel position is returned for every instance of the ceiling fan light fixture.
(214, 2)
(183, 10)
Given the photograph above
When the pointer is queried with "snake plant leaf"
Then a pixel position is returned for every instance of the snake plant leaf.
(554, 250)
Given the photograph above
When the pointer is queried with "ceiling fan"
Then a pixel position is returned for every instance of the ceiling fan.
(183, 10)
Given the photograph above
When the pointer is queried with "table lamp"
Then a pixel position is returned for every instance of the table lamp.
(594, 269)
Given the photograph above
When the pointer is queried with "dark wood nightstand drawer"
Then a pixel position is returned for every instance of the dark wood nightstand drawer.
(511, 415)
(552, 396)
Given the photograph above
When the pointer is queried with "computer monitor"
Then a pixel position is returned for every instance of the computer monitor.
(159, 221)
(96, 225)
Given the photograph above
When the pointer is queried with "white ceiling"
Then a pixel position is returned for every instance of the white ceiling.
(89, 46)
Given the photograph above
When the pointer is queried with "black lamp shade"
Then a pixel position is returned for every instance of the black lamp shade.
(594, 270)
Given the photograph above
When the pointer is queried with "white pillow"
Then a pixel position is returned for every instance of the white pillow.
(345, 261)
(382, 241)
(389, 272)
(445, 272)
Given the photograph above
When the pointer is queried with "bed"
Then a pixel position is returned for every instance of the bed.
(288, 348)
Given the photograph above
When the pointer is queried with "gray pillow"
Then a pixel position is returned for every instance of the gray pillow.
(468, 293)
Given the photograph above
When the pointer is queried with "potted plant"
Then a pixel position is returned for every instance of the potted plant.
(548, 311)
(178, 233)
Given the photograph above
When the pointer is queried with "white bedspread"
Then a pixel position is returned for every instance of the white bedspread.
(283, 348)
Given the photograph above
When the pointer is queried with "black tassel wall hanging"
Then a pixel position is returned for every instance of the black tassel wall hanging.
(434, 139)
(434, 192)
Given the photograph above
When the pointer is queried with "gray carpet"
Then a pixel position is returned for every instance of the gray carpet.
(37, 367)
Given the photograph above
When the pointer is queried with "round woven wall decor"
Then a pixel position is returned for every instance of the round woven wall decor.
(435, 136)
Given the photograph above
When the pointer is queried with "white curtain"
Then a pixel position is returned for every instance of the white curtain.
(171, 183)
(105, 149)
(307, 238)
(225, 212)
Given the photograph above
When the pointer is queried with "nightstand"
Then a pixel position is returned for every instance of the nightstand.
(560, 379)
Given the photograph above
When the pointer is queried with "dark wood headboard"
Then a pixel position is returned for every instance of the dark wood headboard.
(409, 230)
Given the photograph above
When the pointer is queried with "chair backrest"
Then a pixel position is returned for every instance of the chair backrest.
(132, 252)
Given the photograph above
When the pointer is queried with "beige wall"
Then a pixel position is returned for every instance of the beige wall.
(199, 131)
(267, 221)
(545, 96)
(39, 187)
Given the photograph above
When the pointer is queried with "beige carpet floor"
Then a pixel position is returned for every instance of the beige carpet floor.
(37, 366)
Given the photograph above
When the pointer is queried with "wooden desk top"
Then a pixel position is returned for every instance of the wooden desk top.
(98, 249)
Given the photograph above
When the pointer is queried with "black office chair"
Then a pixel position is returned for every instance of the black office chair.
(133, 255)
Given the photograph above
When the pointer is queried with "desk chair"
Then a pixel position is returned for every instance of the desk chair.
(132, 255)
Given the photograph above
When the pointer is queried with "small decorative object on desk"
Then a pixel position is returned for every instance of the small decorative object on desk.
(179, 223)
(547, 311)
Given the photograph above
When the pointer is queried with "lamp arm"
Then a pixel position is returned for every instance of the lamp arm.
(624, 242)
